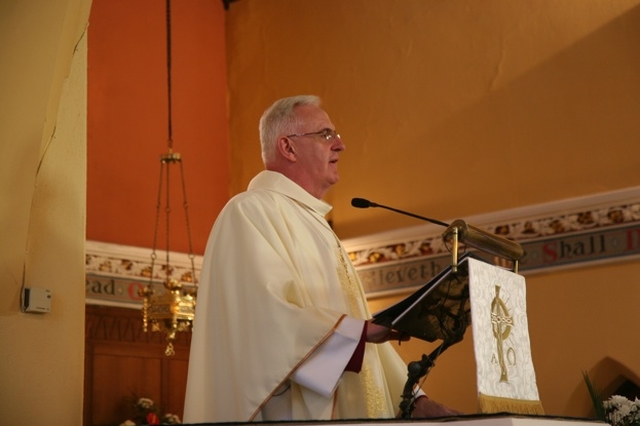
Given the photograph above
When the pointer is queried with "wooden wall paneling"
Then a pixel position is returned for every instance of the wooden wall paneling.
(122, 362)
(176, 377)
(122, 371)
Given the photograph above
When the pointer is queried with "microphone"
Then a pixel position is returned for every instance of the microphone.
(460, 231)
(361, 203)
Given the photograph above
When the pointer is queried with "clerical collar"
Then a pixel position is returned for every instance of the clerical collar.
(277, 182)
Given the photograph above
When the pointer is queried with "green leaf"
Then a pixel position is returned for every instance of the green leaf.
(596, 397)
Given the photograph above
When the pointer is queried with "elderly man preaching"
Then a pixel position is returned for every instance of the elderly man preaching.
(282, 328)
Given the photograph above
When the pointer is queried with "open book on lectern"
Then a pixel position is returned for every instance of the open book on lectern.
(440, 309)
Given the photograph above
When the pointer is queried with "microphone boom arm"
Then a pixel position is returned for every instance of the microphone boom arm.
(461, 232)
(434, 221)
(361, 203)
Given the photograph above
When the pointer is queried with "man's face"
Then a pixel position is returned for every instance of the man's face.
(317, 156)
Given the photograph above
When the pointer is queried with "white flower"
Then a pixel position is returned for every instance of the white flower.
(622, 412)
(171, 419)
(145, 403)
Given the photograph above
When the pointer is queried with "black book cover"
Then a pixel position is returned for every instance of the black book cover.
(439, 310)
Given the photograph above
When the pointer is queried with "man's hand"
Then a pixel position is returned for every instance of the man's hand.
(379, 334)
(426, 408)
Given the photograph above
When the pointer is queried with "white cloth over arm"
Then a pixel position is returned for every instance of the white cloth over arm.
(323, 369)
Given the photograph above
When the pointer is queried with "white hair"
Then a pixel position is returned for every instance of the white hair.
(280, 119)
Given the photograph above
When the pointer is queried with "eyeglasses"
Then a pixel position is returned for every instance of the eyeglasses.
(328, 134)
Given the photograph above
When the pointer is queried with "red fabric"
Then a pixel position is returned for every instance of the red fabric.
(355, 363)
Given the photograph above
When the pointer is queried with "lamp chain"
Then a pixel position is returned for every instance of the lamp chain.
(168, 159)
(169, 120)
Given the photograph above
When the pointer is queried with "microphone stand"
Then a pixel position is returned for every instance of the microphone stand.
(418, 369)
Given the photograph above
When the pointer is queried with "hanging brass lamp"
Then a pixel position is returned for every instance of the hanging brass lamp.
(173, 309)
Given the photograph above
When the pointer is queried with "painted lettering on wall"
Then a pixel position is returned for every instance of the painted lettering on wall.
(118, 290)
(542, 253)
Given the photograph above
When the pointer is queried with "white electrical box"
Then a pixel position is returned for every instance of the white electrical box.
(36, 300)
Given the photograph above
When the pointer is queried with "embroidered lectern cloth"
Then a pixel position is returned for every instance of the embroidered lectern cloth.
(505, 376)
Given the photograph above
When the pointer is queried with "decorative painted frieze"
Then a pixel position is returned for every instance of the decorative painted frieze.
(569, 233)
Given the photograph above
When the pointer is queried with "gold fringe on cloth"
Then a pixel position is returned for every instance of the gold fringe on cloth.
(496, 404)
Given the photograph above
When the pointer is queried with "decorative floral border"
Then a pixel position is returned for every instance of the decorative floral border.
(517, 230)
(127, 262)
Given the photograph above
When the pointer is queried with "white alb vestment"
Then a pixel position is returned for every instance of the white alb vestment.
(280, 312)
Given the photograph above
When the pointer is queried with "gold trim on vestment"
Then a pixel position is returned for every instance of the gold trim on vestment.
(374, 398)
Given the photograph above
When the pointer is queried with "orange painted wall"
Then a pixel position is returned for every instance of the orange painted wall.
(447, 108)
(128, 125)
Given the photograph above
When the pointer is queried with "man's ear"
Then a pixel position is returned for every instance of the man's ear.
(287, 149)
